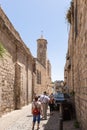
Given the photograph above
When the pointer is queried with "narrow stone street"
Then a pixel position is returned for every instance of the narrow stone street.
(22, 120)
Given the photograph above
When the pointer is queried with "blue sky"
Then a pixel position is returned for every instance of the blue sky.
(30, 17)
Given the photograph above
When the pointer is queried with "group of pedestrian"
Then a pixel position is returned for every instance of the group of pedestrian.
(40, 106)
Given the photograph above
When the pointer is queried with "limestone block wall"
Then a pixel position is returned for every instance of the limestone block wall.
(18, 77)
(7, 74)
(48, 71)
(78, 36)
(15, 69)
(30, 79)
(80, 65)
(25, 72)
(40, 88)
(44, 78)
(42, 51)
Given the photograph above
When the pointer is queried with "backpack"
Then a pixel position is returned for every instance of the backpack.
(35, 110)
(51, 101)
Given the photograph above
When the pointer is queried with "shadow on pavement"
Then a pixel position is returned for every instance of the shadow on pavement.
(52, 123)
(29, 115)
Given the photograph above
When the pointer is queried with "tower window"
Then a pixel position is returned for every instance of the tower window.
(38, 77)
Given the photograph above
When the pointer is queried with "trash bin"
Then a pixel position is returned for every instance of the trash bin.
(66, 112)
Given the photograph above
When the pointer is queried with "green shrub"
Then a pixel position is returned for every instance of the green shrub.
(76, 124)
(69, 13)
(2, 50)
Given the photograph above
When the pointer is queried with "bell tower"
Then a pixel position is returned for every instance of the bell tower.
(42, 50)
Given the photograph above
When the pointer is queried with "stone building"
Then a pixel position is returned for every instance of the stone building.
(42, 78)
(58, 86)
(15, 68)
(76, 60)
(20, 73)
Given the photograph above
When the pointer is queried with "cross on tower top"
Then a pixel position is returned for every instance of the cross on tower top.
(42, 34)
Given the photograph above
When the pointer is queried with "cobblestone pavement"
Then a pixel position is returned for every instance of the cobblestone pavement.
(22, 120)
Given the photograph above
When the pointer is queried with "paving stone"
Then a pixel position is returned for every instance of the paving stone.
(22, 120)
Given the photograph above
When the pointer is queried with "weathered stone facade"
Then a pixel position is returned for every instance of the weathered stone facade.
(15, 68)
(76, 59)
(42, 78)
(18, 70)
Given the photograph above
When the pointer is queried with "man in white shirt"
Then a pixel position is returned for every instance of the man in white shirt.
(44, 101)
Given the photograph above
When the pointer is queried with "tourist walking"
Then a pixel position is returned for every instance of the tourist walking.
(36, 111)
(44, 102)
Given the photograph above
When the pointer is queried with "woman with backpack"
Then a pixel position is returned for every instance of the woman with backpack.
(36, 111)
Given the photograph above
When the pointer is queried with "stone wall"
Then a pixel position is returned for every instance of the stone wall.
(39, 88)
(19, 70)
(48, 75)
(15, 69)
(42, 79)
(42, 51)
(78, 55)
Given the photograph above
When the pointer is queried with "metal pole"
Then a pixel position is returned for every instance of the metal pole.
(60, 118)
(60, 123)
(60, 109)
